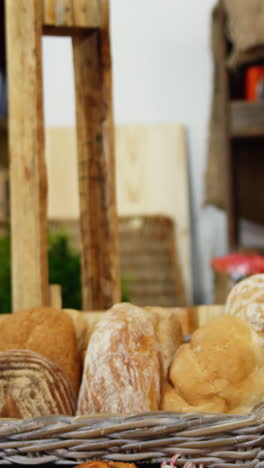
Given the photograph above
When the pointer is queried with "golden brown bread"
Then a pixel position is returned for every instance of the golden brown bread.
(220, 370)
(169, 334)
(33, 386)
(103, 464)
(80, 325)
(122, 370)
(46, 331)
(246, 301)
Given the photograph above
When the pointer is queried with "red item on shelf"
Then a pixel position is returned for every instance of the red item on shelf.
(239, 265)
(254, 77)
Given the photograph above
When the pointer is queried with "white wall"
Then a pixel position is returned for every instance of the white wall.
(162, 74)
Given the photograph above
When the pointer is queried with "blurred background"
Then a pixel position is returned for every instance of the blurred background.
(189, 136)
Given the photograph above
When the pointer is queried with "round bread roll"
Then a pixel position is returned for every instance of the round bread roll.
(32, 386)
(221, 370)
(47, 331)
(246, 300)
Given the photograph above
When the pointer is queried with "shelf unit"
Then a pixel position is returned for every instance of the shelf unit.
(242, 124)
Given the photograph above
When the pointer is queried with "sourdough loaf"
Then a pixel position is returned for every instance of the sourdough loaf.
(221, 370)
(33, 386)
(246, 301)
(46, 331)
(122, 370)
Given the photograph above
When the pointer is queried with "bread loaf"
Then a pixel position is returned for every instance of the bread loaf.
(168, 331)
(169, 334)
(246, 301)
(46, 331)
(122, 370)
(32, 386)
(221, 370)
(104, 464)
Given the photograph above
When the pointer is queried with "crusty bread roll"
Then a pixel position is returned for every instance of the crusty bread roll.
(169, 334)
(168, 330)
(104, 464)
(246, 300)
(122, 370)
(47, 331)
(33, 386)
(221, 370)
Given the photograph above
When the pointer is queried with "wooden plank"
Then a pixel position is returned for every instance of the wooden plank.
(159, 150)
(86, 13)
(49, 12)
(247, 119)
(72, 14)
(26, 136)
(95, 135)
(55, 296)
(230, 168)
(64, 13)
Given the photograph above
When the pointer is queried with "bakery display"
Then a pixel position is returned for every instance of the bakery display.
(135, 360)
(246, 300)
(47, 331)
(122, 364)
(32, 386)
(221, 370)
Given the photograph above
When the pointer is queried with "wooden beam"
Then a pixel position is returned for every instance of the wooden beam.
(86, 13)
(99, 228)
(72, 13)
(26, 140)
(230, 167)
(55, 296)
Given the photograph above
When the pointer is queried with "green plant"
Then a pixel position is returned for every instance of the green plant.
(64, 269)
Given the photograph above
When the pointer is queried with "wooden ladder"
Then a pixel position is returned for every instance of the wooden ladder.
(87, 22)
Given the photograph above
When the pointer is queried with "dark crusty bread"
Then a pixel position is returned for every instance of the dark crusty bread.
(33, 386)
(47, 331)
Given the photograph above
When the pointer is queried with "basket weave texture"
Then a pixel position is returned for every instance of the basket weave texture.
(214, 440)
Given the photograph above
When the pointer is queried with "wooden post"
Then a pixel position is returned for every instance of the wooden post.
(55, 296)
(99, 229)
(26, 139)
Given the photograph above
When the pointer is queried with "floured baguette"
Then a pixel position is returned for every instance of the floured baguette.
(33, 386)
(122, 369)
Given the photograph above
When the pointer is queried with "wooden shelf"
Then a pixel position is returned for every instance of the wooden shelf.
(247, 119)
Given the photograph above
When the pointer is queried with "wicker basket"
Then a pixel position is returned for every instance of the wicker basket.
(214, 440)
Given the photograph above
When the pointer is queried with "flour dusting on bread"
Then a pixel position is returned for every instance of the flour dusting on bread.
(122, 369)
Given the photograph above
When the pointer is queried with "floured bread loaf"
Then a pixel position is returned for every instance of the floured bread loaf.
(168, 329)
(122, 370)
(246, 300)
(47, 331)
(169, 334)
(221, 370)
(33, 386)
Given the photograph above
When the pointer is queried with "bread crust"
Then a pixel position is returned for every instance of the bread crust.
(122, 369)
